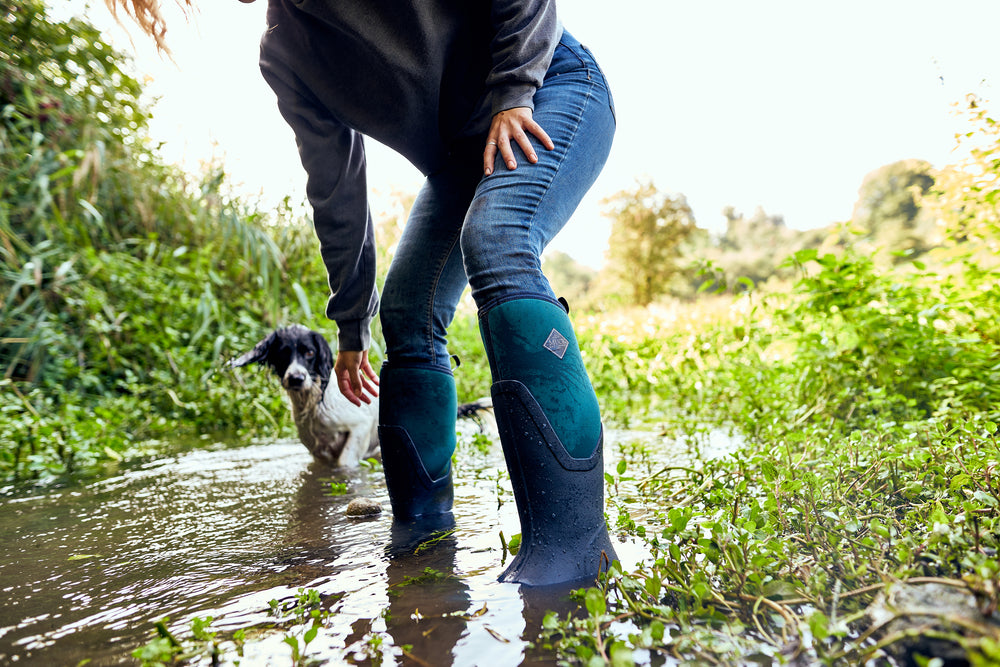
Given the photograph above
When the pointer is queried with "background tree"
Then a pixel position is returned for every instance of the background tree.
(966, 201)
(569, 278)
(647, 236)
(752, 250)
(889, 208)
(966, 196)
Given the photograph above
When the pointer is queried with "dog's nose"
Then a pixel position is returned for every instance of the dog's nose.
(295, 379)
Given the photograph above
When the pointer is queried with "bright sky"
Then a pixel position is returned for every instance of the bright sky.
(780, 104)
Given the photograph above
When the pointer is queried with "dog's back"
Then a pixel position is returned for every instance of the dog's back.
(336, 431)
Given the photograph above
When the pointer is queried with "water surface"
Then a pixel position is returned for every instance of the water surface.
(87, 567)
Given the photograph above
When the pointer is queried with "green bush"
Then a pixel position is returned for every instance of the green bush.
(125, 283)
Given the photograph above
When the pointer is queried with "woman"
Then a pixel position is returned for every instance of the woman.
(511, 120)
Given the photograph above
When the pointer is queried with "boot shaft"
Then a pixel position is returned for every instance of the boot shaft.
(531, 340)
(417, 414)
(422, 401)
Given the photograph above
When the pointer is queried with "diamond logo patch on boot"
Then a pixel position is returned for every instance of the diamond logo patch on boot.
(556, 343)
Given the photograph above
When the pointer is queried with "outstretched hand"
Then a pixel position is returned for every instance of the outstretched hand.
(356, 379)
(513, 127)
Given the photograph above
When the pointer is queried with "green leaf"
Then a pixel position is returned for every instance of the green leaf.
(779, 589)
(959, 480)
(806, 254)
(653, 585)
(303, 300)
(879, 528)
(819, 625)
(985, 498)
(657, 630)
(621, 655)
(678, 519)
(595, 603)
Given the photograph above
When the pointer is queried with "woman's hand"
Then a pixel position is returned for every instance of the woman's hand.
(510, 127)
(355, 377)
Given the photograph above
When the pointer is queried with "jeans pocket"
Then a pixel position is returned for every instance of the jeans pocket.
(566, 60)
(572, 56)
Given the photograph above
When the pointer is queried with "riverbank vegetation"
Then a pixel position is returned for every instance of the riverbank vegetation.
(860, 368)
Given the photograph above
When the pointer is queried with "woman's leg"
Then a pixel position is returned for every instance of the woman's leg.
(546, 409)
(516, 213)
(417, 404)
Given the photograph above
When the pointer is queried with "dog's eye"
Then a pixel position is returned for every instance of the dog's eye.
(310, 354)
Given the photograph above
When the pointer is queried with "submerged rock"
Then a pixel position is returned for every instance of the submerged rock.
(921, 613)
(361, 507)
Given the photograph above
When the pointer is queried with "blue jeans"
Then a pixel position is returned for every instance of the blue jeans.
(489, 232)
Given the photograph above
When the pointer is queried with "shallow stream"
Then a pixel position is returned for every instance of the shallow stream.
(87, 567)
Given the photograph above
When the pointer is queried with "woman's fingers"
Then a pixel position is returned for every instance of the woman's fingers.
(508, 155)
(348, 387)
(512, 128)
(489, 156)
(355, 377)
(540, 134)
(369, 379)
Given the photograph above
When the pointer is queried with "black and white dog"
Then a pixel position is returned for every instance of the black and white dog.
(333, 429)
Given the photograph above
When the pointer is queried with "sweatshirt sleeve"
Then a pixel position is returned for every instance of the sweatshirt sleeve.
(526, 34)
(334, 160)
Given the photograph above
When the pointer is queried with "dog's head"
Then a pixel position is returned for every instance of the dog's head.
(300, 357)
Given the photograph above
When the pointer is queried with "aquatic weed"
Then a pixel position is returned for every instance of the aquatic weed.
(166, 647)
(307, 614)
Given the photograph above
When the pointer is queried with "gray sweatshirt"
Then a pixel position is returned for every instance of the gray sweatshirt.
(416, 75)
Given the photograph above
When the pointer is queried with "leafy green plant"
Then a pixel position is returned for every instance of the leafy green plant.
(166, 648)
(338, 488)
(306, 615)
(125, 284)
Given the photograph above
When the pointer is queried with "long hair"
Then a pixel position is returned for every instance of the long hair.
(147, 15)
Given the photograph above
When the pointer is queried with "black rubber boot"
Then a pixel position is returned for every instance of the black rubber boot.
(417, 413)
(552, 438)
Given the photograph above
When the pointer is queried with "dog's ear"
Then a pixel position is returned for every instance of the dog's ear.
(257, 355)
(324, 357)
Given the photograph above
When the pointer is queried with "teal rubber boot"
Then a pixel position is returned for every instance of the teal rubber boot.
(417, 413)
(550, 429)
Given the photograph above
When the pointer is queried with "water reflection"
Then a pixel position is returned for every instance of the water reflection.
(428, 600)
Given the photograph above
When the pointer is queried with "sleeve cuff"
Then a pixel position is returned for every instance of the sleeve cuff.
(513, 96)
(354, 335)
